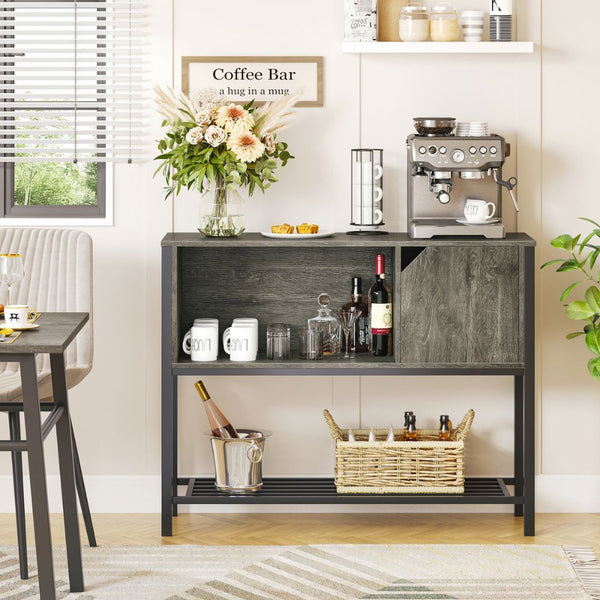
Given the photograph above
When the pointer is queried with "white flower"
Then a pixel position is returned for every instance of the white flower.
(269, 142)
(209, 98)
(246, 146)
(215, 136)
(204, 117)
(194, 136)
(234, 118)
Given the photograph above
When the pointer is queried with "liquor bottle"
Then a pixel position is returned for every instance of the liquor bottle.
(445, 428)
(406, 419)
(411, 430)
(380, 311)
(219, 424)
(359, 338)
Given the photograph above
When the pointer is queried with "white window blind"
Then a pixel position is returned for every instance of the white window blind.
(71, 80)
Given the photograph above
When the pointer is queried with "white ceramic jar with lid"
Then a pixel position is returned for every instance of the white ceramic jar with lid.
(444, 22)
(414, 22)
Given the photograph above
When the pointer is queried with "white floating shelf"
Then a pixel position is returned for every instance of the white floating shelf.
(438, 47)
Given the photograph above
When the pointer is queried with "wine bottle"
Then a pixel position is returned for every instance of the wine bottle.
(380, 311)
(359, 338)
(219, 424)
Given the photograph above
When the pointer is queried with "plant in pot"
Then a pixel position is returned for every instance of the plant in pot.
(582, 256)
(216, 147)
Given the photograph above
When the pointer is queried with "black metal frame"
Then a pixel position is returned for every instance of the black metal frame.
(318, 491)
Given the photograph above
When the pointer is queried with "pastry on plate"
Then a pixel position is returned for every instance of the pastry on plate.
(285, 228)
(307, 228)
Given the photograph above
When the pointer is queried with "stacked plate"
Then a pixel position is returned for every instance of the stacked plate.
(500, 28)
(473, 129)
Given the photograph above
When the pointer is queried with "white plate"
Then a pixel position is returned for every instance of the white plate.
(22, 328)
(296, 236)
(487, 222)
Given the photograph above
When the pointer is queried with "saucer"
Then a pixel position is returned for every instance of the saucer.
(486, 222)
(24, 327)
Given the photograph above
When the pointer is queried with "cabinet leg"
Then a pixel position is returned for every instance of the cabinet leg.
(169, 483)
(519, 442)
(529, 448)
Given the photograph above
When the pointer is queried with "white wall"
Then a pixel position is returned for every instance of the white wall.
(542, 103)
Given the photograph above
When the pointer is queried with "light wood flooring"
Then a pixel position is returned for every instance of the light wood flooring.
(290, 529)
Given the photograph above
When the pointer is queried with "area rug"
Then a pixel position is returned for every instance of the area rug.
(346, 572)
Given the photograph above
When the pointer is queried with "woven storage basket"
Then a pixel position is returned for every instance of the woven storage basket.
(427, 466)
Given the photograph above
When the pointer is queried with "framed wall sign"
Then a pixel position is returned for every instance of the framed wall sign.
(265, 78)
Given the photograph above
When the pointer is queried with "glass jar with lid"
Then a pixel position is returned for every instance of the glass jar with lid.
(444, 22)
(327, 323)
(414, 22)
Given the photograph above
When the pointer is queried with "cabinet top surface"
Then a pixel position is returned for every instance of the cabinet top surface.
(196, 239)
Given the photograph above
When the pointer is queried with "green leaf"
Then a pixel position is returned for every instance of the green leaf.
(592, 297)
(568, 265)
(575, 334)
(569, 290)
(592, 341)
(579, 311)
(594, 258)
(552, 262)
(589, 221)
(564, 242)
(594, 368)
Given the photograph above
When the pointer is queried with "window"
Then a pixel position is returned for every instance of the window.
(69, 93)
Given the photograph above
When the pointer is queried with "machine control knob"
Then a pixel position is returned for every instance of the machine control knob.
(483, 150)
(443, 149)
(443, 197)
(473, 150)
(493, 150)
(458, 156)
(422, 150)
(432, 150)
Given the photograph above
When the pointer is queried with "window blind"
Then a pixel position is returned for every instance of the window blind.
(71, 80)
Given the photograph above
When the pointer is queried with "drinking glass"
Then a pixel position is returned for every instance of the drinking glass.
(11, 271)
(310, 344)
(347, 319)
(278, 341)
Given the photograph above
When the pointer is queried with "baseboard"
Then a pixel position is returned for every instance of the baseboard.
(141, 494)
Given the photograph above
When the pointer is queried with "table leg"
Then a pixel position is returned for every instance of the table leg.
(67, 473)
(37, 477)
(519, 442)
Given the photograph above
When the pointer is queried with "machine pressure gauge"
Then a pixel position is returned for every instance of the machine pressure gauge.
(458, 156)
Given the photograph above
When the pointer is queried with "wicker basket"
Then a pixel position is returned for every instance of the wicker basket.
(427, 466)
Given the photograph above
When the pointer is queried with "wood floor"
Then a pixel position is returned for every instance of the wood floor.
(249, 529)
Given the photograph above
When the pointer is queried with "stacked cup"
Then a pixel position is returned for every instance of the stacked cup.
(501, 20)
(472, 25)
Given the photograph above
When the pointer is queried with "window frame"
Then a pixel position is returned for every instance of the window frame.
(9, 210)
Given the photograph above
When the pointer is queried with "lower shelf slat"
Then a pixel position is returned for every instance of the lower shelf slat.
(315, 490)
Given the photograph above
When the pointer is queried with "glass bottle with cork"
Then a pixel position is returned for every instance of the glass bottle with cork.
(411, 434)
(219, 423)
(380, 312)
(445, 428)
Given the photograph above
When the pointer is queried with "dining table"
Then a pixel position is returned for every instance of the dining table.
(55, 332)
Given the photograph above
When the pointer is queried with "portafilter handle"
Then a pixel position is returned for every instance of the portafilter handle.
(510, 184)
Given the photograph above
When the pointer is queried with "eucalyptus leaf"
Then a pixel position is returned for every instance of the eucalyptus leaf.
(592, 297)
(579, 311)
(566, 293)
(594, 368)
(592, 341)
(571, 336)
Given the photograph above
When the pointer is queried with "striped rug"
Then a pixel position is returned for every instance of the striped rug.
(345, 572)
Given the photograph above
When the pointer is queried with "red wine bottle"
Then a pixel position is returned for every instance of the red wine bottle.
(380, 312)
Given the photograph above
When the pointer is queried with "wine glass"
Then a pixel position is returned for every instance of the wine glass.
(11, 271)
(347, 319)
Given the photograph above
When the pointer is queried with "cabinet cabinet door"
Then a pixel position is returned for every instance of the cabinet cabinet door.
(461, 306)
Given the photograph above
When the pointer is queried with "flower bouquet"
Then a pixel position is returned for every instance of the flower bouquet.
(217, 146)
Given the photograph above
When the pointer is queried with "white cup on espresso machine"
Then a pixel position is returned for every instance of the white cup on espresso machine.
(366, 191)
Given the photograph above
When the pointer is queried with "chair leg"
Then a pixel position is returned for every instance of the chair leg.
(83, 501)
(17, 469)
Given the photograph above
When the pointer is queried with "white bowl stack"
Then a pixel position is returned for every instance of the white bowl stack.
(473, 129)
(472, 25)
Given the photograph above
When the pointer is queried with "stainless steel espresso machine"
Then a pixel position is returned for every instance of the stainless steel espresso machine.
(445, 171)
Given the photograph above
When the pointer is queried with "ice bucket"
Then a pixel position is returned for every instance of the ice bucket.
(238, 461)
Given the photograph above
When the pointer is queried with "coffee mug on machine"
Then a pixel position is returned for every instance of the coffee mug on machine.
(478, 211)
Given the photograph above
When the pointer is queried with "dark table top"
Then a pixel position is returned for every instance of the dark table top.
(56, 331)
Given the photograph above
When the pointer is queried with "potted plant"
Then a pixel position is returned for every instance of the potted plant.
(582, 256)
(216, 146)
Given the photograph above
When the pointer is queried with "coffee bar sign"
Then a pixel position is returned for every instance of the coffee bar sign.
(263, 78)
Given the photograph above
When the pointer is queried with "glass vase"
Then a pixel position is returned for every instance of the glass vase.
(222, 211)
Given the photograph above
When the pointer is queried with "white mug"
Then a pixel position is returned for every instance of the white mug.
(17, 315)
(369, 172)
(247, 320)
(369, 216)
(201, 342)
(240, 341)
(501, 7)
(477, 211)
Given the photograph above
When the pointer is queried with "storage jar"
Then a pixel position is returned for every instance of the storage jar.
(388, 16)
(444, 22)
(414, 22)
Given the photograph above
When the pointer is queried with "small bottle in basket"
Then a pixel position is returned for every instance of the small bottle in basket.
(411, 431)
(445, 428)
(406, 418)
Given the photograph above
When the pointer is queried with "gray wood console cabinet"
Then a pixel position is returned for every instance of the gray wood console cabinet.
(438, 286)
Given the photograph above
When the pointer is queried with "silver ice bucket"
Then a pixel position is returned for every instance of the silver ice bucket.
(238, 461)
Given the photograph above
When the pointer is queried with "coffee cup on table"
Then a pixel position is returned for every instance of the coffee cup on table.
(240, 341)
(18, 315)
(201, 342)
(478, 211)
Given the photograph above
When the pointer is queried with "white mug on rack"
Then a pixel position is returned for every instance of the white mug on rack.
(201, 342)
(240, 341)
(367, 174)
(478, 211)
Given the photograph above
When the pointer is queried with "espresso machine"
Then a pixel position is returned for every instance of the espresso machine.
(444, 171)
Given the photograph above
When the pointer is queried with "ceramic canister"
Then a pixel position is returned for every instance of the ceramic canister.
(501, 7)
